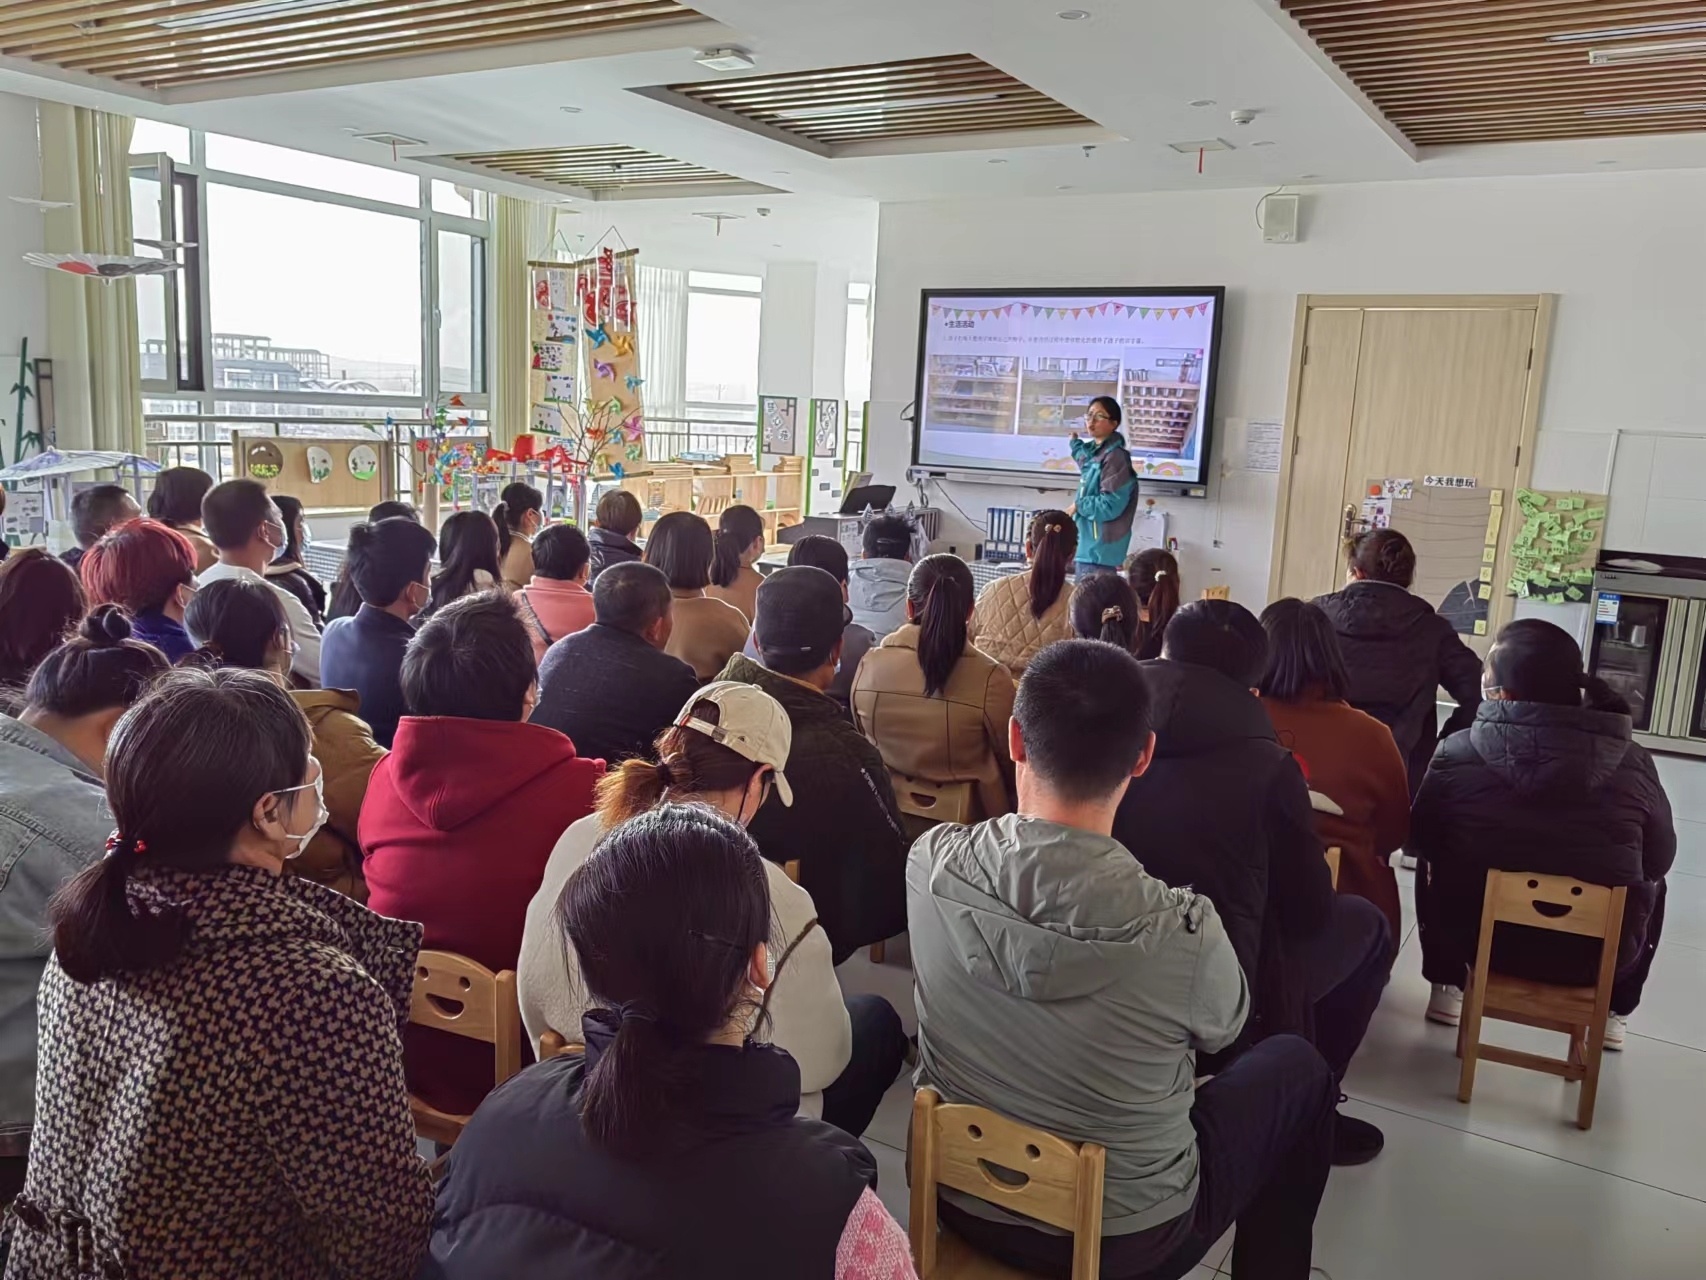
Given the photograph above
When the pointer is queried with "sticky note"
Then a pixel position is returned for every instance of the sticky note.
(1486, 592)
(1495, 521)
(1518, 586)
(1575, 593)
(1489, 555)
(1594, 513)
(1486, 573)
(1480, 626)
(1496, 497)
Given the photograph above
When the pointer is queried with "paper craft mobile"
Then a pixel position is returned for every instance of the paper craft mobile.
(167, 245)
(45, 206)
(634, 381)
(106, 267)
(604, 370)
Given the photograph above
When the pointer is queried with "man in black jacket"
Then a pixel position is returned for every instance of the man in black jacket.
(1224, 810)
(844, 826)
(611, 688)
(614, 525)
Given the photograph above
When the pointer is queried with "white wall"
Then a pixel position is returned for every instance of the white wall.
(23, 288)
(1626, 254)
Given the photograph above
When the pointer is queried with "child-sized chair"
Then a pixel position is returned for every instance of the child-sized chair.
(452, 993)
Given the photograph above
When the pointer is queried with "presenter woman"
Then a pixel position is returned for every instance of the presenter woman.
(1107, 490)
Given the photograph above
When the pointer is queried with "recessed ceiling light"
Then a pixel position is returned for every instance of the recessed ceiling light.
(1670, 51)
(573, 111)
(725, 59)
(1627, 33)
(1265, 142)
(1073, 15)
(1605, 162)
(1646, 109)
(1201, 144)
(1309, 177)
(1065, 186)
(997, 160)
(1202, 102)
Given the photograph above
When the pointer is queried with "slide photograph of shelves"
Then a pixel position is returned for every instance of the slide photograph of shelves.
(1160, 393)
(974, 393)
(1055, 391)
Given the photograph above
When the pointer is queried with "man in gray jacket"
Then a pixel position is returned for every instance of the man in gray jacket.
(1061, 985)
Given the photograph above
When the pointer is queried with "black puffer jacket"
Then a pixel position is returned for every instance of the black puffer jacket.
(1223, 809)
(1533, 787)
(1399, 652)
(844, 825)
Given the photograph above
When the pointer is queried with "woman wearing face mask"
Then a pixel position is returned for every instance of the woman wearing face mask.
(222, 1081)
(239, 623)
(519, 515)
(287, 570)
(148, 568)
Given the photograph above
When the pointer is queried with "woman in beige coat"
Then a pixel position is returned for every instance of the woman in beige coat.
(935, 705)
(1018, 616)
(706, 632)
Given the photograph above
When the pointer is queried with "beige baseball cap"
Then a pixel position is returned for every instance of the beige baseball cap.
(749, 722)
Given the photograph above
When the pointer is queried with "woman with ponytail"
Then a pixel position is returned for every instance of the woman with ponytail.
(725, 750)
(1104, 607)
(519, 515)
(240, 623)
(1399, 651)
(740, 542)
(1547, 779)
(468, 557)
(1154, 576)
(205, 1016)
(635, 1156)
(934, 704)
(1020, 615)
(53, 822)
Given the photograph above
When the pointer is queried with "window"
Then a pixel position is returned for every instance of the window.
(461, 284)
(857, 371)
(722, 344)
(720, 282)
(303, 168)
(168, 139)
(453, 197)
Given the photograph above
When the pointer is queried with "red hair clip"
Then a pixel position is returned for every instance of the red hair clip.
(117, 841)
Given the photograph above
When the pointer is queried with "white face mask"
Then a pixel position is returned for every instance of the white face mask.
(321, 812)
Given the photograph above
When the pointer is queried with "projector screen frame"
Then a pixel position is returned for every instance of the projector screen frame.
(1197, 488)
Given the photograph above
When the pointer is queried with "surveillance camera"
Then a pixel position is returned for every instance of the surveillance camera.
(763, 212)
(1243, 116)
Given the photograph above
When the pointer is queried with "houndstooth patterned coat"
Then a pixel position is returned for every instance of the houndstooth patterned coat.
(239, 1113)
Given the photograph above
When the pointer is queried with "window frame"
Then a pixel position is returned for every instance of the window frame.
(194, 180)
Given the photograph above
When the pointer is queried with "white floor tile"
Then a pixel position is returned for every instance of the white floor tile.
(894, 1114)
(1442, 1203)
(1690, 847)
(1685, 910)
(891, 1179)
(1671, 1008)
(1684, 779)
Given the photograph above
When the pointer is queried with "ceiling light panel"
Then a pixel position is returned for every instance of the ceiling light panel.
(1463, 72)
(164, 44)
(605, 170)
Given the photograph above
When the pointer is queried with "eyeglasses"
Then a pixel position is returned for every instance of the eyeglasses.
(1098, 416)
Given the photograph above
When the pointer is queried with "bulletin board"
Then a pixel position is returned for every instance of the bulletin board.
(320, 472)
(1454, 525)
(1555, 547)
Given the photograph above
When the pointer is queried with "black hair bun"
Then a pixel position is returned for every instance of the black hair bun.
(361, 533)
(106, 624)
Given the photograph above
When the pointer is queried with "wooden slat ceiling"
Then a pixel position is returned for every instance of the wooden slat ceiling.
(1469, 71)
(887, 101)
(162, 43)
(600, 169)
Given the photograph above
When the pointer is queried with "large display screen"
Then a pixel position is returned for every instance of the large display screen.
(1005, 377)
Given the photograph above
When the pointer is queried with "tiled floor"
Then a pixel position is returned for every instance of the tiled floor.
(1506, 1187)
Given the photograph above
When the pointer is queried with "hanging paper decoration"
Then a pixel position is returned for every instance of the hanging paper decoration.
(623, 343)
(603, 370)
(263, 460)
(606, 279)
(621, 311)
(595, 334)
(634, 381)
(363, 462)
(319, 464)
(105, 267)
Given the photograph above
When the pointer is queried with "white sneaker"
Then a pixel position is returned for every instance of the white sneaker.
(1616, 1025)
(1445, 1005)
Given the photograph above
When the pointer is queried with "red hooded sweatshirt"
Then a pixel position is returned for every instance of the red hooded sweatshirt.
(456, 827)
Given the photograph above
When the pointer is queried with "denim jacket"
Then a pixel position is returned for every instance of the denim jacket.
(54, 821)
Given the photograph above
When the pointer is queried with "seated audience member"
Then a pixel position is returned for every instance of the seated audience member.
(519, 516)
(1105, 608)
(726, 749)
(1347, 755)
(53, 823)
(206, 1018)
(147, 568)
(933, 704)
(1021, 614)
(599, 1163)
(740, 543)
(1225, 809)
(95, 510)
(241, 624)
(1398, 651)
(461, 816)
(1154, 576)
(468, 560)
(388, 564)
(345, 598)
(1040, 929)
(556, 603)
(616, 520)
(41, 600)
(611, 687)
(1545, 780)
(846, 833)
(175, 500)
(876, 584)
(705, 631)
(248, 529)
(287, 570)
(829, 555)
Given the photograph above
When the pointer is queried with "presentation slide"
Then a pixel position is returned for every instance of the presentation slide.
(1005, 379)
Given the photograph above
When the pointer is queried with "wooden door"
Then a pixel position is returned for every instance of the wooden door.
(1402, 389)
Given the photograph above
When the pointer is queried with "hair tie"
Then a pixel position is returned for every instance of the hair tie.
(633, 1011)
(1051, 528)
(666, 774)
(118, 841)
(1160, 574)
(1113, 613)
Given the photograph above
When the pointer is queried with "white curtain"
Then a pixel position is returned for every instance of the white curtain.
(522, 234)
(92, 337)
(663, 341)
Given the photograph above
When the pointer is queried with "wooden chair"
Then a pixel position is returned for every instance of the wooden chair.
(1333, 856)
(553, 1045)
(956, 1146)
(791, 869)
(1563, 905)
(454, 994)
(925, 804)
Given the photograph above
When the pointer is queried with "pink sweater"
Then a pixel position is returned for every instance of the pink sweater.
(873, 1246)
(552, 609)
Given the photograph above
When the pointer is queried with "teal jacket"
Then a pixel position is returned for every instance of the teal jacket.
(1107, 500)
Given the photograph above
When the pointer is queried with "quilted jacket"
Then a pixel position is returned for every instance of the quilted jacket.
(345, 747)
(239, 1112)
(1004, 628)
